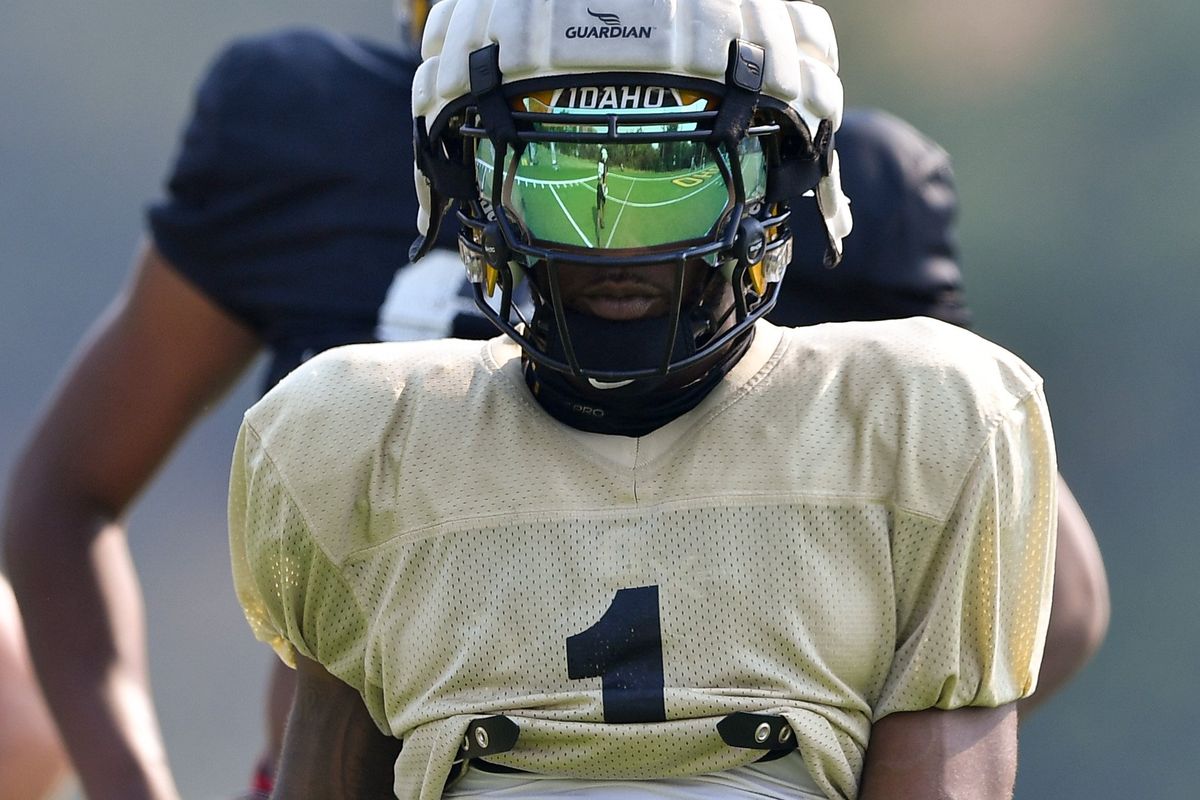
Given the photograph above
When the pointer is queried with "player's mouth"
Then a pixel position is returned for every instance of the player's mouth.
(622, 299)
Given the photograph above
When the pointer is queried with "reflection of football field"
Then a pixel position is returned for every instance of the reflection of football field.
(641, 208)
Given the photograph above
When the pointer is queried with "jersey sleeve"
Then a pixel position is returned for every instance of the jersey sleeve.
(973, 593)
(293, 595)
(902, 258)
(291, 200)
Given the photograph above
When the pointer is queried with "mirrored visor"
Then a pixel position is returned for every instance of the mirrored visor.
(620, 194)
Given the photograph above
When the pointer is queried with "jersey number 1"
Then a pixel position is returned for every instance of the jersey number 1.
(624, 650)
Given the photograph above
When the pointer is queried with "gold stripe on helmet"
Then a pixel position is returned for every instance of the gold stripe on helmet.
(420, 12)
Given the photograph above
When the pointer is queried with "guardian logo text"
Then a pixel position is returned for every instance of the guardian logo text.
(610, 27)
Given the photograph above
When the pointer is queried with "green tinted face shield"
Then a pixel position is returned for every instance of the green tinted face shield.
(604, 171)
(569, 188)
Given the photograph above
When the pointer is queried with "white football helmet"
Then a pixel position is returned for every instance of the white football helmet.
(713, 114)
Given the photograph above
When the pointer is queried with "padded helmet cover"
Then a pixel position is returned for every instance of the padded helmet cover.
(690, 38)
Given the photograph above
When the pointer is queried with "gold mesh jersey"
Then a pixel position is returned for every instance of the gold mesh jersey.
(858, 520)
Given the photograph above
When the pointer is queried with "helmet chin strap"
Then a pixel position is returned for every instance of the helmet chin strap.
(633, 409)
(630, 407)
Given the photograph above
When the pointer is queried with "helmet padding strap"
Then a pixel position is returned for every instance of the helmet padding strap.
(447, 180)
(743, 81)
(487, 90)
(798, 172)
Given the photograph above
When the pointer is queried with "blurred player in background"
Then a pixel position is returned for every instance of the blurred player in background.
(902, 260)
(290, 210)
(286, 237)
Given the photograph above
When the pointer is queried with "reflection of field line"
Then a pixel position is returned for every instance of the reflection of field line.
(570, 219)
(671, 202)
(591, 180)
(539, 181)
(673, 176)
(552, 184)
(620, 211)
(625, 202)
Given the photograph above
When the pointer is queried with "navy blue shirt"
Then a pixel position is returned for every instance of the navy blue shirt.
(901, 259)
(291, 202)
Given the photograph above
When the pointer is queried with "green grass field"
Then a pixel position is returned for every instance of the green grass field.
(642, 209)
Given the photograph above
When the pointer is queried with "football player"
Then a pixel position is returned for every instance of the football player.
(648, 544)
(601, 188)
(902, 260)
(217, 293)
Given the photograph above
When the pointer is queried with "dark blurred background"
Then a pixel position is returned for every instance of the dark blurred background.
(1072, 124)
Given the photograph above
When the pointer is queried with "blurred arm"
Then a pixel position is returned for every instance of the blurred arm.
(1080, 610)
(332, 750)
(32, 760)
(152, 364)
(965, 754)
